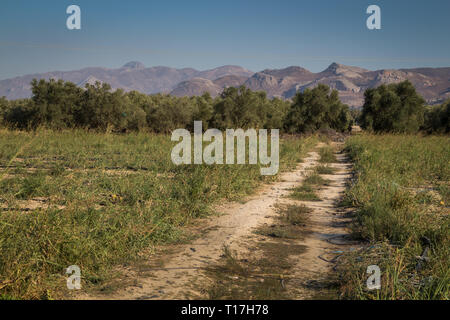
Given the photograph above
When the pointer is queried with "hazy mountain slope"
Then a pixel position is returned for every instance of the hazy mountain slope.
(196, 87)
(132, 76)
(351, 82)
(219, 72)
(230, 81)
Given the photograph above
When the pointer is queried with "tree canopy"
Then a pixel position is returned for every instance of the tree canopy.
(318, 108)
(393, 108)
(59, 105)
(437, 118)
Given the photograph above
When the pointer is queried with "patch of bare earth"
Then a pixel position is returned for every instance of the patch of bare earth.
(29, 205)
(183, 272)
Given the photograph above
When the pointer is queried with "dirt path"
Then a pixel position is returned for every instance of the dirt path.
(181, 273)
(328, 237)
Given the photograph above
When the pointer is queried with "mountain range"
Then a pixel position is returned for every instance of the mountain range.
(351, 82)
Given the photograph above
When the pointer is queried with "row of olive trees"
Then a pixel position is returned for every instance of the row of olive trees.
(59, 105)
(399, 108)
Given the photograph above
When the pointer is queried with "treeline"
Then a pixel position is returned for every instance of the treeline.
(399, 108)
(61, 105)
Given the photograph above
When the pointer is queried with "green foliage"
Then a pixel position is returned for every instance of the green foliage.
(98, 200)
(19, 114)
(317, 109)
(393, 108)
(356, 114)
(401, 197)
(240, 107)
(61, 105)
(4, 105)
(103, 109)
(327, 155)
(437, 118)
(54, 102)
(276, 112)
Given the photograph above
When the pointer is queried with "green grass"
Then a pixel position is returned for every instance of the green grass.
(304, 193)
(291, 218)
(316, 180)
(327, 155)
(401, 196)
(296, 215)
(324, 169)
(109, 199)
(308, 190)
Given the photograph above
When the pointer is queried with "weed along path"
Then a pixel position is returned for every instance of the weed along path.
(201, 269)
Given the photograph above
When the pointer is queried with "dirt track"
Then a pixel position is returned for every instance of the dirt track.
(181, 272)
(328, 237)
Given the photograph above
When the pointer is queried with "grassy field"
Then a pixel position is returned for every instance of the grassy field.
(101, 200)
(402, 195)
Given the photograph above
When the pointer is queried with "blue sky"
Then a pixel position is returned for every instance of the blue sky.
(255, 34)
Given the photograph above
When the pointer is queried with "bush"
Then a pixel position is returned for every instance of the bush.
(318, 109)
(20, 114)
(103, 109)
(393, 108)
(3, 109)
(437, 118)
(240, 108)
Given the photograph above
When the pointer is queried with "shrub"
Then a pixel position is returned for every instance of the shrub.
(317, 109)
(393, 108)
(437, 118)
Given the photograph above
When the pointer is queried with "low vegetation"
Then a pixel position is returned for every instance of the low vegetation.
(327, 155)
(402, 194)
(264, 274)
(324, 169)
(308, 190)
(98, 200)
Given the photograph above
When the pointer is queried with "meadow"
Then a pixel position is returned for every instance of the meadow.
(401, 192)
(100, 200)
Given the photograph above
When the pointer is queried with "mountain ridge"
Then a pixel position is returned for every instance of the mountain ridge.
(351, 81)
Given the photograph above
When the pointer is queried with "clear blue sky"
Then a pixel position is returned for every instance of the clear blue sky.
(255, 34)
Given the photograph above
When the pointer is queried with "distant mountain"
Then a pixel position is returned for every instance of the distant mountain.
(219, 72)
(134, 65)
(132, 76)
(351, 82)
(196, 87)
